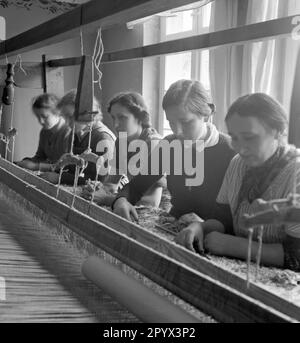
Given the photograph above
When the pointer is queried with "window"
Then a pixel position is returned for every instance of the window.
(188, 64)
(2, 29)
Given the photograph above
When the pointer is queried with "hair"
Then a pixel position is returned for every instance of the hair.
(191, 95)
(47, 101)
(135, 104)
(261, 106)
(69, 99)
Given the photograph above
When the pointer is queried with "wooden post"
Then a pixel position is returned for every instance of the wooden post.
(44, 73)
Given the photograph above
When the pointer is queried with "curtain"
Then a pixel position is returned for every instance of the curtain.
(267, 66)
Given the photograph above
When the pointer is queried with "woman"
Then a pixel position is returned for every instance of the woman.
(263, 169)
(99, 133)
(130, 116)
(54, 136)
(188, 109)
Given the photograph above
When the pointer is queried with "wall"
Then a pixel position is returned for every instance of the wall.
(141, 75)
(121, 76)
(17, 21)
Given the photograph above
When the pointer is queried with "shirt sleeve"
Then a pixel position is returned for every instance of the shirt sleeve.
(222, 197)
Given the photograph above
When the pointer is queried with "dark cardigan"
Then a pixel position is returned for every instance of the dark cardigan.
(53, 143)
(198, 199)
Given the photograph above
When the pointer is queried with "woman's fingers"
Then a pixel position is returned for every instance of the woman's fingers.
(189, 240)
(185, 238)
(199, 244)
(134, 213)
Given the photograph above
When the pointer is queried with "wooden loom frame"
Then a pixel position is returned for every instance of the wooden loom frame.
(202, 283)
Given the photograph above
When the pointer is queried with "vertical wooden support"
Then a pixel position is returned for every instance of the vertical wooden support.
(44, 73)
(85, 90)
(8, 91)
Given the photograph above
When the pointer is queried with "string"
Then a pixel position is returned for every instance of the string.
(72, 138)
(81, 42)
(97, 56)
(19, 59)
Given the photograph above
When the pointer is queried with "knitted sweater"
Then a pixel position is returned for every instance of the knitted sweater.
(53, 143)
(198, 199)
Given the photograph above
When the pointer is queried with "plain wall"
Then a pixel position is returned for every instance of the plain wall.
(121, 76)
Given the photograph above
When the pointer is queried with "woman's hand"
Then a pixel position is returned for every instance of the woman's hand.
(123, 208)
(191, 237)
(28, 164)
(50, 177)
(99, 195)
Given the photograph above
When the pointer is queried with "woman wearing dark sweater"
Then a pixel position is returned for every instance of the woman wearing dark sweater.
(188, 109)
(130, 117)
(100, 133)
(54, 136)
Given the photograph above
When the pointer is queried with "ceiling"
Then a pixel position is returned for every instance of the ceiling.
(51, 6)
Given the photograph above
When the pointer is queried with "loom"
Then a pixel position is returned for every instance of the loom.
(44, 281)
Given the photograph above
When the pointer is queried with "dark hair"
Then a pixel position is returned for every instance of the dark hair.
(261, 106)
(135, 103)
(191, 95)
(69, 100)
(46, 100)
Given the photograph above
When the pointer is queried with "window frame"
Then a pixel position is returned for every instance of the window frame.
(196, 56)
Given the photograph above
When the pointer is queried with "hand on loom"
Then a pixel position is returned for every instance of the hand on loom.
(191, 237)
(125, 209)
(70, 159)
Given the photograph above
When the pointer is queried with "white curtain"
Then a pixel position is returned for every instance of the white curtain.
(266, 66)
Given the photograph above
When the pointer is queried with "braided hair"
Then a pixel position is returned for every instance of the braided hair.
(135, 104)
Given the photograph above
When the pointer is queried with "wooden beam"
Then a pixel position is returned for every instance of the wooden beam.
(239, 35)
(184, 273)
(65, 25)
(92, 14)
(64, 62)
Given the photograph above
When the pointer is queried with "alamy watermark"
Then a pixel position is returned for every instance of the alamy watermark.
(2, 289)
(175, 157)
(296, 29)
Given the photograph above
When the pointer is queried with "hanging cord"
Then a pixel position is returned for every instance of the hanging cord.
(19, 59)
(90, 135)
(72, 138)
(81, 42)
(97, 56)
